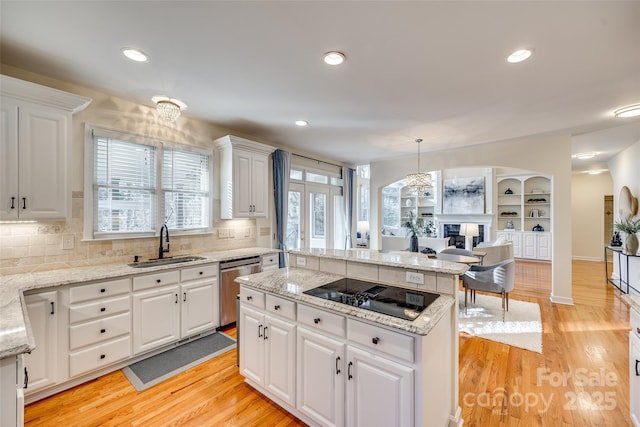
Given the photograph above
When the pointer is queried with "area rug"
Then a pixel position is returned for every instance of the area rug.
(521, 328)
(151, 371)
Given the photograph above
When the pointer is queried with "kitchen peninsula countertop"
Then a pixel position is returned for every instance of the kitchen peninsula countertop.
(412, 260)
(15, 331)
(292, 282)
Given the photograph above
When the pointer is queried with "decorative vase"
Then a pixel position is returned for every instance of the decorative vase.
(413, 243)
(631, 244)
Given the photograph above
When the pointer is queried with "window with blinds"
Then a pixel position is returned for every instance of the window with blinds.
(134, 184)
(124, 187)
(185, 186)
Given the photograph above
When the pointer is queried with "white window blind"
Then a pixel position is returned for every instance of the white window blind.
(185, 185)
(124, 185)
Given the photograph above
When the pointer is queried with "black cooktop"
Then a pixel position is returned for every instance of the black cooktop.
(399, 302)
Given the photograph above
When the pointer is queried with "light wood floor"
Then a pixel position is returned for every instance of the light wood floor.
(586, 344)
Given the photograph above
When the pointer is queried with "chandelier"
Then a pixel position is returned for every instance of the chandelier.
(168, 108)
(419, 182)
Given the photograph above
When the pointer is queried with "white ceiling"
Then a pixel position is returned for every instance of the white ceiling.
(419, 69)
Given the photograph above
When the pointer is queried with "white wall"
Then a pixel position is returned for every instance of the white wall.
(587, 215)
(625, 171)
(551, 156)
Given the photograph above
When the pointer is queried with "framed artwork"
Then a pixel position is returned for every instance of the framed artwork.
(463, 195)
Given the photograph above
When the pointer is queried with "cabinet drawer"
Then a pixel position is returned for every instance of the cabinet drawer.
(99, 330)
(99, 356)
(99, 290)
(157, 279)
(634, 321)
(270, 260)
(322, 320)
(252, 297)
(100, 308)
(281, 307)
(199, 272)
(360, 270)
(391, 343)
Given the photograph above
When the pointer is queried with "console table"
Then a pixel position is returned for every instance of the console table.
(623, 281)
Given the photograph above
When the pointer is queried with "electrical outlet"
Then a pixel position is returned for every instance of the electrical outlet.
(413, 277)
(301, 261)
(67, 241)
(223, 233)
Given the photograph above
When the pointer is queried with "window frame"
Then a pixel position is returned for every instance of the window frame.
(89, 234)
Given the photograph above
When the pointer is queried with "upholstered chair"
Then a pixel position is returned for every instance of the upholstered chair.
(498, 278)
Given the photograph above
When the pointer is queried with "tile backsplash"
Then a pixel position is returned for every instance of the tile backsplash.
(30, 247)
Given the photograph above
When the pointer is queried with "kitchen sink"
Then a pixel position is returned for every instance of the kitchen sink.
(165, 261)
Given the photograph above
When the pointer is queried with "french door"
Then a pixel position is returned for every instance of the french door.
(315, 217)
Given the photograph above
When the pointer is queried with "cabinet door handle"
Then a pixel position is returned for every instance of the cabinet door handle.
(184, 297)
(53, 308)
(375, 340)
(276, 307)
(316, 320)
(249, 297)
(637, 364)
(265, 333)
(638, 330)
(260, 330)
(349, 376)
(24, 203)
(337, 368)
(176, 298)
(26, 378)
(13, 202)
(102, 331)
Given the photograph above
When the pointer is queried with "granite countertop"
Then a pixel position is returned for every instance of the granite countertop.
(413, 260)
(292, 282)
(633, 301)
(15, 331)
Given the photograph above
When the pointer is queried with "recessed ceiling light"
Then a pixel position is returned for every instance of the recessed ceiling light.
(301, 122)
(519, 55)
(629, 111)
(595, 171)
(334, 58)
(134, 54)
(585, 156)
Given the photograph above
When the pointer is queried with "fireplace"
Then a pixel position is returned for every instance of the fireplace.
(453, 232)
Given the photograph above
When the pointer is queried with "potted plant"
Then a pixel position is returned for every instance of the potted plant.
(415, 226)
(630, 227)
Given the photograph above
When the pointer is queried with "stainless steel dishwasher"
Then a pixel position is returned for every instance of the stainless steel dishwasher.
(229, 289)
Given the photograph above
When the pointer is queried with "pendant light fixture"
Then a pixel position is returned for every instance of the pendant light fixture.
(168, 108)
(419, 182)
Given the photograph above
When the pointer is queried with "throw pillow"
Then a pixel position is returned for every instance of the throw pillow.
(500, 241)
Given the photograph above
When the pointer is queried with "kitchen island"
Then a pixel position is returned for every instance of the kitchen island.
(331, 363)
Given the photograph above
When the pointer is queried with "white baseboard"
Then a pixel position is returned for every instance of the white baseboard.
(561, 300)
(586, 258)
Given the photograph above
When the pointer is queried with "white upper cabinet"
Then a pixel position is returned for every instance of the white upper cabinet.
(34, 150)
(244, 178)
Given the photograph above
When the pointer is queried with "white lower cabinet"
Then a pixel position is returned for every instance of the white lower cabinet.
(320, 377)
(11, 392)
(267, 351)
(156, 318)
(199, 311)
(41, 365)
(536, 245)
(379, 391)
(634, 379)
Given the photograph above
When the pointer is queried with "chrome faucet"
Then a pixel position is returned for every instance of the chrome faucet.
(162, 250)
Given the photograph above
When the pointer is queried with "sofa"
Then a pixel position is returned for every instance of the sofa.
(400, 243)
(496, 251)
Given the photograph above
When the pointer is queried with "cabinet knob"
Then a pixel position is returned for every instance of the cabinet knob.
(276, 307)
(102, 356)
(375, 340)
(158, 281)
(102, 331)
(249, 297)
(103, 309)
(103, 290)
(316, 320)
(201, 273)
